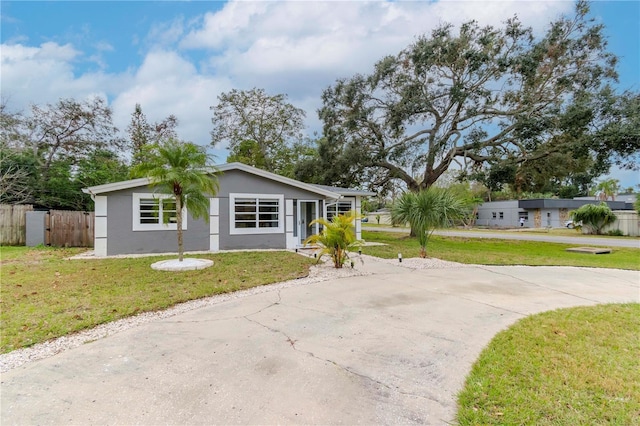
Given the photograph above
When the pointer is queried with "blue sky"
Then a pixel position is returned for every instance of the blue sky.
(176, 57)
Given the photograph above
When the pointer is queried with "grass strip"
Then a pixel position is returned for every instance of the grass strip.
(44, 296)
(498, 252)
(573, 366)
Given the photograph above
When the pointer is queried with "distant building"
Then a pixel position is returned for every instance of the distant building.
(537, 213)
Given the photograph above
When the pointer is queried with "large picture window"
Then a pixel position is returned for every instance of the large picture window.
(256, 213)
(156, 212)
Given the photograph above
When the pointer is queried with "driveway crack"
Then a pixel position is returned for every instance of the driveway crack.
(292, 342)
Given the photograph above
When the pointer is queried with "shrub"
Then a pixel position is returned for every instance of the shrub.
(594, 217)
(615, 233)
(426, 211)
(336, 238)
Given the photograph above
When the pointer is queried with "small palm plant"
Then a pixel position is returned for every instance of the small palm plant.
(337, 237)
(177, 168)
(427, 211)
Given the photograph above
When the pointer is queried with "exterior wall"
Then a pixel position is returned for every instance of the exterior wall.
(537, 218)
(237, 181)
(100, 237)
(121, 239)
(551, 218)
(114, 220)
(510, 215)
(564, 216)
(627, 221)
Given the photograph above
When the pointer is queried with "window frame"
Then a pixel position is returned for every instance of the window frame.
(138, 226)
(257, 230)
(336, 203)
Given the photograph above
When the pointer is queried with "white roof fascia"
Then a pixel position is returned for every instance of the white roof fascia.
(117, 186)
(277, 178)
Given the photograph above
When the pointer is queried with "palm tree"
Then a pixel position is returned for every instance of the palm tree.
(427, 211)
(337, 237)
(608, 188)
(178, 168)
(594, 216)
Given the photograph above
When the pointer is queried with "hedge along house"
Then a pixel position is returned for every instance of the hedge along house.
(253, 209)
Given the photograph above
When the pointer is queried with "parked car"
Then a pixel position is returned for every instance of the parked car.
(571, 224)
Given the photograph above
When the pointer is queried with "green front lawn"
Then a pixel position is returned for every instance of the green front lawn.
(44, 296)
(577, 366)
(497, 252)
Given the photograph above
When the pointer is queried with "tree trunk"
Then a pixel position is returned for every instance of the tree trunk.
(423, 252)
(337, 260)
(179, 226)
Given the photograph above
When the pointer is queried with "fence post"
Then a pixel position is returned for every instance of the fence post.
(47, 229)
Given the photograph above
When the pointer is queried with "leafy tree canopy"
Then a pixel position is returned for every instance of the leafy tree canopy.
(142, 133)
(271, 124)
(46, 157)
(69, 130)
(482, 96)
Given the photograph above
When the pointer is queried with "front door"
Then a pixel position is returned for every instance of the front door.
(307, 213)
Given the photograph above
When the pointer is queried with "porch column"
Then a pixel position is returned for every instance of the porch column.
(214, 224)
(289, 224)
(358, 221)
(100, 226)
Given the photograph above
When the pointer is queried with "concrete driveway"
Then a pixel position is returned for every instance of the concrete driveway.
(389, 348)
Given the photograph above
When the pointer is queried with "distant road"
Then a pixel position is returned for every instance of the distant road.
(525, 236)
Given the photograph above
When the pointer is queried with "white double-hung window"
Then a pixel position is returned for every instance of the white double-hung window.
(156, 212)
(256, 213)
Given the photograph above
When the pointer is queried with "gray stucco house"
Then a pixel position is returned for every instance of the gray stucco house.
(253, 209)
(537, 213)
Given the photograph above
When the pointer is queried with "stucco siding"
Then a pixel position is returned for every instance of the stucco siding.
(507, 215)
(121, 239)
(239, 242)
(237, 181)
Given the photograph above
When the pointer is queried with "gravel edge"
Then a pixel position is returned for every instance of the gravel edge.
(317, 273)
(19, 357)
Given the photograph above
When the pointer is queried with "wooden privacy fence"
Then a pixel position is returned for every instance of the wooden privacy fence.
(13, 224)
(56, 227)
(69, 228)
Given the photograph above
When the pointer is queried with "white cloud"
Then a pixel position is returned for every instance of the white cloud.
(168, 84)
(46, 73)
(165, 33)
(297, 48)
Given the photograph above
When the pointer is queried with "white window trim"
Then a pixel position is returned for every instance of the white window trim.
(252, 231)
(137, 226)
(335, 202)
